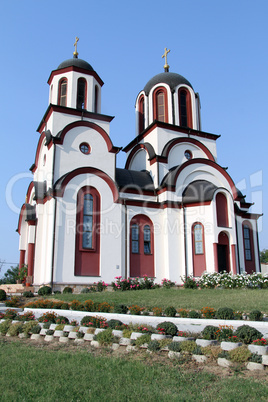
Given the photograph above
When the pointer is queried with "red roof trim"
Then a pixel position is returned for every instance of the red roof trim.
(20, 217)
(77, 69)
(191, 141)
(132, 153)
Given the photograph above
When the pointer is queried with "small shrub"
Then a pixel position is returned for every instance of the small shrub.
(167, 328)
(66, 334)
(28, 327)
(189, 282)
(224, 355)
(100, 286)
(240, 355)
(115, 324)
(74, 323)
(164, 343)
(67, 290)
(16, 329)
(167, 283)
(88, 305)
(65, 306)
(13, 302)
(183, 313)
(175, 346)
(194, 314)
(48, 317)
(225, 313)
(212, 351)
(50, 332)
(105, 307)
(198, 350)
(157, 311)
(120, 309)
(209, 332)
(57, 292)
(105, 337)
(85, 290)
(36, 329)
(208, 312)
(247, 334)
(148, 329)
(80, 335)
(59, 327)
(10, 314)
(260, 342)
(188, 346)
(4, 326)
(94, 322)
(127, 333)
(238, 315)
(224, 332)
(3, 295)
(47, 324)
(29, 316)
(255, 358)
(44, 291)
(27, 294)
(61, 320)
(76, 305)
(183, 334)
(154, 346)
(255, 315)
(170, 311)
(135, 310)
(146, 338)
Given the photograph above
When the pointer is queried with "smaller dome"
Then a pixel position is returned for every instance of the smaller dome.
(75, 62)
(171, 79)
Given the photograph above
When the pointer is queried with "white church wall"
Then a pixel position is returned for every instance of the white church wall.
(177, 154)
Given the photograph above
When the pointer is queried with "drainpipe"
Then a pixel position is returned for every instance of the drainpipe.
(125, 218)
(237, 241)
(185, 241)
(53, 244)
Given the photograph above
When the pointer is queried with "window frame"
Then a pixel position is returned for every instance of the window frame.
(156, 93)
(188, 107)
(195, 225)
(62, 81)
(80, 80)
(141, 110)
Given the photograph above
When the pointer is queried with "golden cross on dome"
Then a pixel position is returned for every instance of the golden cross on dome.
(75, 47)
(166, 66)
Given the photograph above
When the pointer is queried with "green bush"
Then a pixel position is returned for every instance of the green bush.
(48, 317)
(80, 335)
(59, 327)
(16, 329)
(145, 338)
(13, 302)
(240, 355)
(170, 311)
(47, 324)
(168, 328)
(115, 324)
(67, 290)
(175, 346)
(65, 306)
(255, 358)
(61, 320)
(224, 355)
(194, 314)
(209, 332)
(28, 327)
(127, 333)
(247, 334)
(189, 282)
(36, 329)
(105, 337)
(225, 313)
(50, 332)
(10, 314)
(188, 346)
(3, 295)
(57, 292)
(4, 326)
(154, 346)
(28, 293)
(120, 309)
(255, 315)
(44, 291)
(94, 322)
(85, 290)
(198, 350)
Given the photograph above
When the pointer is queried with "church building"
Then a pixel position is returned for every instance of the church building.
(172, 211)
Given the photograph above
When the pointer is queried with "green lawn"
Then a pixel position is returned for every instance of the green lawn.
(237, 299)
(37, 373)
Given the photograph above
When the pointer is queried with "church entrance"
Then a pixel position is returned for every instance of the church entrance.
(223, 253)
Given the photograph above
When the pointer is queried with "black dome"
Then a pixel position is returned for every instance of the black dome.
(171, 79)
(75, 62)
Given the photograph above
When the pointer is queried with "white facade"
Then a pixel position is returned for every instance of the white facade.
(172, 211)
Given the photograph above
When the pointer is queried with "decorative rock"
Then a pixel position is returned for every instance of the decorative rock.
(95, 344)
(260, 350)
(224, 362)
(79, 341)
(265, 360)
(83, 329)
(173, 355)
(115, 346)
(35, 337)
(72, 335)
(58, 333)
(182, 338)
(53, 326)
(135, 335)
(200, 358)
(158, 337)
(205, 342)
(88, 337)
(124, 342)
(22, 335)
(117, 332)
(49, 338)
(98, 330)
(14, 321)
(68, 328)
(63, 339)
(230, 345)
(131, 348)
(254, 366)
(43, 331)
(8, 334)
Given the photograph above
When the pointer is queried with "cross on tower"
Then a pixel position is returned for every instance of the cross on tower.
(166, 66)
(75, 53)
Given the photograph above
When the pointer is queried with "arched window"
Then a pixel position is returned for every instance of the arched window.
(185, 108)
(141, 114)
(96, 99)
(198, 241)
(248, 248)
(222, 210)
(62, 94)
(160, 105)
(142, 247)
(87, 232)
(81, 93)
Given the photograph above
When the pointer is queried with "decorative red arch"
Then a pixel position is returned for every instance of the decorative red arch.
(193, 141)
(133, 152)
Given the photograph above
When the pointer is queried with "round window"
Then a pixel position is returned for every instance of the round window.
(84, 148)
(188, 154)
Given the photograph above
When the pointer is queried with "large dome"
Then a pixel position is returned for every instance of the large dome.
(171, 79)
(75, 62)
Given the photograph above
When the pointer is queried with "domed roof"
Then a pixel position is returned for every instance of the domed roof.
(171, 79)
(75, 62)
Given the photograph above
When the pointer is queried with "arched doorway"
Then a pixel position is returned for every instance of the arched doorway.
(223, 253)
(141, 247)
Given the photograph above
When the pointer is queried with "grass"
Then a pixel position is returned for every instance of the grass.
(37, 373)
(244, 300)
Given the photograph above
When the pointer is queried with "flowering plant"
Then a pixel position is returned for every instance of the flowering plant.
(143, 329)
(48, 317)
(74, 323)
(182, 333)
(224, 332)
(166, 283)
(233, 338)
(208, 312)
(260, 342)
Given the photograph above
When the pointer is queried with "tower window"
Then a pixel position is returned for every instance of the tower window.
(185, 108)
(84, 148)
(87, 221)
(62, 100)
(160, 104)
(135, 239)
(96, 99)
(81, 93)
(141, 114)
(198, 239)
(247, 243)
(147, 239)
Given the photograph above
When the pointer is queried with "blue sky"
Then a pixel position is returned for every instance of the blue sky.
(219, 46)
